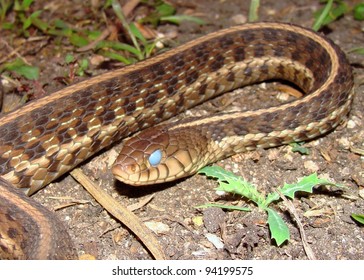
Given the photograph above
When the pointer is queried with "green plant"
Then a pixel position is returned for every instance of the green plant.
(253, 10)
(79, 65)
(229, 182)
(298, 148)
(141, 47)
(24, 19)
(19, 67)
(358, 11)
(333, 10)
(358, 217)
(5, 6)
(164, 12)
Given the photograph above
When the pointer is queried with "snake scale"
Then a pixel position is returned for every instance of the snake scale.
(49, 136)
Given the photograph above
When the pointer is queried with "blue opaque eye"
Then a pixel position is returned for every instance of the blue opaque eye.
(155, 158)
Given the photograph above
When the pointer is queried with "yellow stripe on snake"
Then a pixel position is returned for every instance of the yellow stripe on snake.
(49, 136)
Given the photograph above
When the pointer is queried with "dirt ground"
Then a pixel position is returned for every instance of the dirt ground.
(325, 215)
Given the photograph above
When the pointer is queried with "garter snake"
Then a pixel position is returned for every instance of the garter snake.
(49, 136)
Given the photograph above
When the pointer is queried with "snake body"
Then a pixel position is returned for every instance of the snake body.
(48, 137)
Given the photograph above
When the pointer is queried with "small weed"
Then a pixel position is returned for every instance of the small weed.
(26, 22)
(229, 182)
(164, 12)
(335, 9)
(19, 67)
(80, 66)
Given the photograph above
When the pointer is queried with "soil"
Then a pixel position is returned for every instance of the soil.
(182, 230)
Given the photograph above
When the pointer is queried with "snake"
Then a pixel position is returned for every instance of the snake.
(49, 136)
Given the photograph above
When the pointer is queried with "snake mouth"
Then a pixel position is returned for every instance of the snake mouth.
(124, 179)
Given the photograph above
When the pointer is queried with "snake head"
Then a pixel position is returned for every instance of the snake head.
(158, 155)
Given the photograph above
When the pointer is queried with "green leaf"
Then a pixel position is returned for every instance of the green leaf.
(23, 6)
(26, 4)
(93, 35)
(118, 57)
(18, 66)
(359, 11)
(253, 10)
(358, 217)
(219, 173)
(177, 19)
(357, 50)
(69, 58)
(5, 6)
(118, 47)
(58, 23)
(107, 4)
(306, 184)
(329, 13)
(7, 25)
(277, 227)
(36, 21)
(83, 65)
(297, 147)
(26, 23)
(228, 207)
(165, 9)
(137, 33)
(162, 9)
(229, 182)
(78, 40)
(320, 15)
(148, 48)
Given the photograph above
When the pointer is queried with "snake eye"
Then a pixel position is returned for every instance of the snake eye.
(155, 158)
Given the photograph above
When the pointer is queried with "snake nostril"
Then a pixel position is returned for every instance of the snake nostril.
(132, 168)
